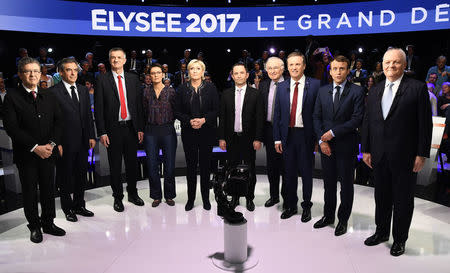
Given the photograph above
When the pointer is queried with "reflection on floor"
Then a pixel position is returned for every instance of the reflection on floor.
(168, 239)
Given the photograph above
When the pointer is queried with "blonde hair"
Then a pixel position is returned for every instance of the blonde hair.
(202, 65)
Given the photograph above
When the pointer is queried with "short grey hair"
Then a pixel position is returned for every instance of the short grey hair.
(26, 60)
(117, 49)
(401, 51)
(275, 59)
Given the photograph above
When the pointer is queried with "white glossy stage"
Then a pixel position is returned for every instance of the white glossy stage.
(168, 239)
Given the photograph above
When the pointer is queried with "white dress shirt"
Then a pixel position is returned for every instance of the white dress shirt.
(243, 88)
(68, 85)
(298, 113)
(124, 93)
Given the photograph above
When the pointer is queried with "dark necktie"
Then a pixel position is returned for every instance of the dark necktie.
(34, 94)
(74, 96)
(294, 107)
(336, 98)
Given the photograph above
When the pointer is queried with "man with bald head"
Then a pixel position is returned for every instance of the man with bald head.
(275, 69)
(396, 139)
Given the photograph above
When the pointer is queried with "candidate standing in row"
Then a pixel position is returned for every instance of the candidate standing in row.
(77, 138)
(396, 139)
(338, 112)
(119, 120)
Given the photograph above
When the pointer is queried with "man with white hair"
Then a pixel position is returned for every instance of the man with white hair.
(396, 139)
(275, 69)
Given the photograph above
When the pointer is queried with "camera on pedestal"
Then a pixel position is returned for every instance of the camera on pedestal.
(232, 182)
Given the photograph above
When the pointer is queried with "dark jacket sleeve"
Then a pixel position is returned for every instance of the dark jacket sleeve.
(277, 117)
(11, 124)
(259, 134)
(317, 117)
(222, 116)
(58, 122)
(139, 105)
(99, 106)
(425, 122)
(365, 131)
(211, 114)
(179, 111)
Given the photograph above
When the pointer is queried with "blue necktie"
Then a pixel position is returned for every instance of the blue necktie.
(386, 101)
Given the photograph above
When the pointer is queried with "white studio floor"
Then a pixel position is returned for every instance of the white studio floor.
(168, 239)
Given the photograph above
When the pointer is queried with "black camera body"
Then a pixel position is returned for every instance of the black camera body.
(230, 182)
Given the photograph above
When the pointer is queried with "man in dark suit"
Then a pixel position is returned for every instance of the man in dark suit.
(359, 75)
(293, 133)
(148, 60)
(275, 168)
(78, 137)
(133, 65)
(241, 127)
(396, 139)
(180, 76)
(338, 112)
(32, 119)
(119, 120)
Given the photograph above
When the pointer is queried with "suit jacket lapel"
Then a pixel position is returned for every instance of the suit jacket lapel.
(244, 104)
(114, 86)
(379, 95)
(305, 93)
(342, 97)
(81, 99)
(400, 91)
(66, 96)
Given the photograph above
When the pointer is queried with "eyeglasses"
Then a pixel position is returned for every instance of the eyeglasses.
(31, 71)
(155, 73)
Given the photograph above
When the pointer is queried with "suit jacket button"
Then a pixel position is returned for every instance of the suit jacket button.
(39, 116)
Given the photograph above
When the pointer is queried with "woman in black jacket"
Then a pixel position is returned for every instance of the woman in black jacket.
(197, 105)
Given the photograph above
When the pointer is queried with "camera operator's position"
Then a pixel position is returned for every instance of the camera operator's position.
(241, 126)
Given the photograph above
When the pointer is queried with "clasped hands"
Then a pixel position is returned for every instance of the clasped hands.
(197, 123)
(223, 145)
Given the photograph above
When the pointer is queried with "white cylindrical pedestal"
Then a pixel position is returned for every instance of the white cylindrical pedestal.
(235, 242)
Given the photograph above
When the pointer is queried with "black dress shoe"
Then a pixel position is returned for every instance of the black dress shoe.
(189, 205)
(250, 205)
(83, 212)
(52, 229)
(288, 213)
(118, 205)
(135, 199)
(269, 203)
(376, 239)
(36, 235)
(206, 205)
(323, 222)
(341, 229)
(397, 249)
(71, 217)
(234, 202)
(306, 215)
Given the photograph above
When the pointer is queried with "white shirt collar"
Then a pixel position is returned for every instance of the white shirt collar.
(301, 81)
(281, 79)
(115, 75)
(243, 88)
(29, 90)
(396, 82)
(342, 85)
(68, 85)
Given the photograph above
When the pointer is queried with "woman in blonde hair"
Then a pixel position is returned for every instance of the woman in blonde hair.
(197, 105)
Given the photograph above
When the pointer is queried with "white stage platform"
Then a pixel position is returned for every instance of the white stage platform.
(168, 239)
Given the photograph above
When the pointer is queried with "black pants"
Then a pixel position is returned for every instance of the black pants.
(298, 157)
(123, 142)
(338, 167)
(39, 172)
(394, 192)
(71, 172)
(197, 145)
(275, 165)
(240, 149)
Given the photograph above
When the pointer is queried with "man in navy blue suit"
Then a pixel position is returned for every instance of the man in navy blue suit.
(293, 133)
(338, 113)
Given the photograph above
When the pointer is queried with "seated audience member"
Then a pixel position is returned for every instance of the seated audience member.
(90, 86)
(208, 77)
(263, 59)
(23, 52)
(147, 81)
(43, 84)
(378, 74)
(2, 95)
(441, 69)
(444, 100)
(133, 65)
(359, 75)
(84, 75)
(89, 57)
(412, 62)
(166, 73)
(167, 82)
(432, 78)
(433, 99)
(148, 59)
(321, 65)
(181, 76)
(352, 61)
(45, 60)
(256, 81)
(45, 77)
(101, 70)
(256, 71)
(159, 107)
(246, 59)
(201, 57)
(187, 57)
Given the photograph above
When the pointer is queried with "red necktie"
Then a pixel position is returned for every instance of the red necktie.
(123, 109)
(294, 107)
(34, 94)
